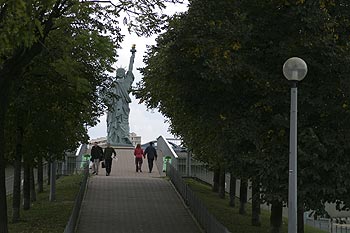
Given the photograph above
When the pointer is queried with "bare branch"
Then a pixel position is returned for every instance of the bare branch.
(96, 1)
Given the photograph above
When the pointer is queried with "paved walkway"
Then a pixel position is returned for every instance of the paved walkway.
(130, 202)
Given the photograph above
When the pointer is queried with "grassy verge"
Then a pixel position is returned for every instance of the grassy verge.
(229, 216)
(45, 216)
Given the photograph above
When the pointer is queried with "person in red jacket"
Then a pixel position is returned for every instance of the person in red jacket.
(138, 152)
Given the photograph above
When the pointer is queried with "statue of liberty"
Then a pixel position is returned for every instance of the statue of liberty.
(118, 115)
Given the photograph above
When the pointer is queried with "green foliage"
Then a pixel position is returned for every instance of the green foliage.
(216, 73)
(59, 92)
(16, 25)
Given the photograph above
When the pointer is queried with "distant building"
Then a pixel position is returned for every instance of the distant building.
(103, 140)
(100, 141)
(135, 139)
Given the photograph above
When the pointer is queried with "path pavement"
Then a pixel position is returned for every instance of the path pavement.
(130, 202)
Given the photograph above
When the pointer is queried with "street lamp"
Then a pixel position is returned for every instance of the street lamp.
(294, 69)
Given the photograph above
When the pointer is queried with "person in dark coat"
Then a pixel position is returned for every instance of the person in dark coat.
(96, 156)
(108, 155)
(151, 154)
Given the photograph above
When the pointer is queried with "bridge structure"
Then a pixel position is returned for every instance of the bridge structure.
(127, 201)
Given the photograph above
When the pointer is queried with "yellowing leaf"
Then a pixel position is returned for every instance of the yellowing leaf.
(222, 117)
(236, 46)
(226, 54)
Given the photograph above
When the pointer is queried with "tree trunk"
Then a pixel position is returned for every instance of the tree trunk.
(232, 190)
(300, 218)
(32, 185)
(216, 179)
(3, 203)
(243, 193)
(4, 90)
(52, 196)
(26, 185)
(40, 175)
(222, 183)
(16, 195)
(256, 203)
(276, 217)
(49, 171)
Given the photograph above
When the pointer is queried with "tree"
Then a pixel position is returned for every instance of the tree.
(35, 20)
(231, 60)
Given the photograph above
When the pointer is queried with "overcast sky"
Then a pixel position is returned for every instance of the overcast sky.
(149, 124)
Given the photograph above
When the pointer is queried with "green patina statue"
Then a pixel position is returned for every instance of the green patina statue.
(118, 128)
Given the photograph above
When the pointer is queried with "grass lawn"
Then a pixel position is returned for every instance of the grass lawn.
(229, 216)
(45, 216)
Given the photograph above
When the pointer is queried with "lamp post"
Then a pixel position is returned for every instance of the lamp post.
(294, 69)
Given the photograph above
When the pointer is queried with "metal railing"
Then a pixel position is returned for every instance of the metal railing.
(72, 223)
(209, 223)
(10, 179)
(322, 224)
(68, 167)
(338, 228)
(81, 165)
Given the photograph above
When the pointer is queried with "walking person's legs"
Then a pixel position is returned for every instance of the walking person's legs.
(108, 168)
(140, 162)
(150, 165)
(95, 166)
(137, 164)
(108, 163)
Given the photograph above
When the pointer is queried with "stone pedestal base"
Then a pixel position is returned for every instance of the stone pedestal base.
(118, 147)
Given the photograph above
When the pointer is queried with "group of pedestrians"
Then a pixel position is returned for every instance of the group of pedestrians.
(106, 156)
(151, 154)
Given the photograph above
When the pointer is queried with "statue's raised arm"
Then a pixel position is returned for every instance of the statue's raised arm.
(129, 76)
(132, 58)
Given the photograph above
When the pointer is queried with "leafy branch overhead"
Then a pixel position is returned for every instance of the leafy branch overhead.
(142, 17)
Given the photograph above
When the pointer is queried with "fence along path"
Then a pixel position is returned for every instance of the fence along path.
(131, 202)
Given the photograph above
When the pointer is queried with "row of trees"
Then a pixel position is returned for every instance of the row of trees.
(55, 60)
(216, 73)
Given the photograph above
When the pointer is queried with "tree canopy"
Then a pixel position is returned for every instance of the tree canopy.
(55, 56)
(216, 73)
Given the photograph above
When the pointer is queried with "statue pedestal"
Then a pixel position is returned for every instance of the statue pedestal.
(119, 147)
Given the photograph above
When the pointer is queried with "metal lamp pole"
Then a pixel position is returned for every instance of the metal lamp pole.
(294, 69)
